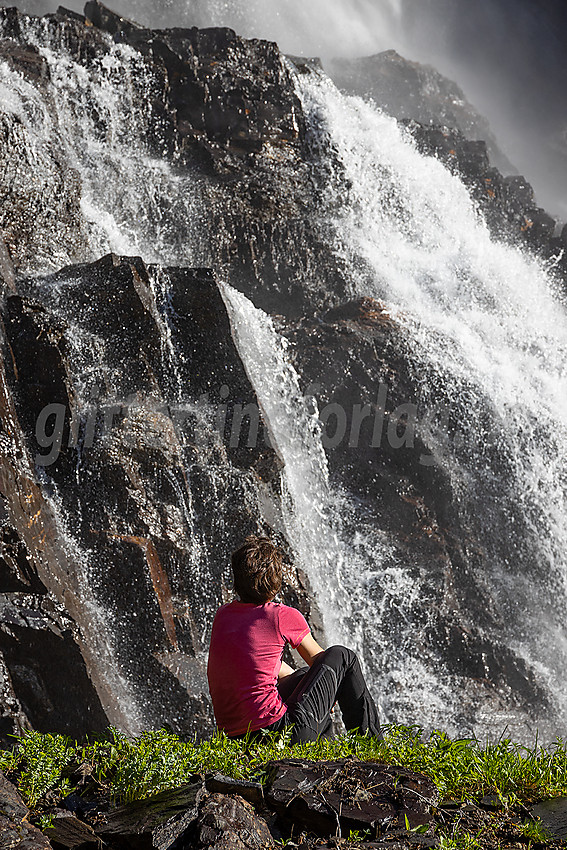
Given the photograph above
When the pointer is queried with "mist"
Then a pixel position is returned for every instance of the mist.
(509, 56)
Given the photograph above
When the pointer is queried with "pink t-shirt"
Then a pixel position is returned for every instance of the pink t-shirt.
(245, 656)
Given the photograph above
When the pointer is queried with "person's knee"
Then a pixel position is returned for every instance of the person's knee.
(340, 654)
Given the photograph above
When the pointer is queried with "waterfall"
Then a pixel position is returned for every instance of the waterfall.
(343, 564)
(98, 117)
(487, 331)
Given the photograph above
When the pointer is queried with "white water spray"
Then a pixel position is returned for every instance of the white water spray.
(488, 334)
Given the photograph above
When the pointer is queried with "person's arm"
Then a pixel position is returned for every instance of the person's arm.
(309, 649)
(285, 670)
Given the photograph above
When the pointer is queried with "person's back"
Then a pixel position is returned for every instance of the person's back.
(251, 688)
(245, 659)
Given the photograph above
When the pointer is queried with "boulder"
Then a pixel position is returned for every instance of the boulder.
(336, 797)
(154, 823)
(230, 823)
(68, 831)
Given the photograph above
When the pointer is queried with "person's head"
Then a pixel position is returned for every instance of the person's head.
(257, 569)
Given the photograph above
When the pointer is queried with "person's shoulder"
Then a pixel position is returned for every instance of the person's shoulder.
(224, 609)
(288, 611)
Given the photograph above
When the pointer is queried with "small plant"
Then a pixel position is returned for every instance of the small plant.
(41, 759)
(358, 835)
(535, 831)
(459, 840)
(45, 822)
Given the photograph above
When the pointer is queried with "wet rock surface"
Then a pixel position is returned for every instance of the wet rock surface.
(70, 832)
(153, 471)
(347, 795)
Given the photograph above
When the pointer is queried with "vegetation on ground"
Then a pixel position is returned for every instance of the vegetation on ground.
(129, 769)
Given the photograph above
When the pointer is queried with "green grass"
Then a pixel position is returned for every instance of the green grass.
(131, 769)
(155, 761)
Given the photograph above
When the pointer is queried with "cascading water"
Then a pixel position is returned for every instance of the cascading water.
(98, 117)
(486, 334)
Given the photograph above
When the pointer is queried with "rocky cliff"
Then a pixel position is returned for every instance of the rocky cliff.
(136, 453)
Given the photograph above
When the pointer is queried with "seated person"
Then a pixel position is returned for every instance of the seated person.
(245, 661)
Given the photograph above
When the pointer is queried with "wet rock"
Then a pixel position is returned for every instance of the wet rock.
(230, 823)
(253, 792)
(68, 831)
(410, 90)
(15, 831)
(347, 795)
(46, 668)
(7, 276)
(36, 631)
(154, 823)
(553, 816)
(154, 469)
(216, 98)
(40, 219)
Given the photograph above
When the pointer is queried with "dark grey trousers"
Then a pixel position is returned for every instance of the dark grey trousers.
(310, 694)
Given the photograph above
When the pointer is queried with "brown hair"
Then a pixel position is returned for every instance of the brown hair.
(257, 569)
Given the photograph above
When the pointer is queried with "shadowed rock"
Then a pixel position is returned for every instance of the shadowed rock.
(155, 823)
(344, 795)
(15, 831)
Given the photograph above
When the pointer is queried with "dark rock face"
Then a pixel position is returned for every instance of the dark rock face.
(46, 668)
(218, 106)
(409, 90)
(68, 831)
(553, 816)
(154, 486)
